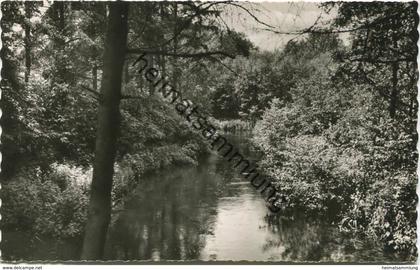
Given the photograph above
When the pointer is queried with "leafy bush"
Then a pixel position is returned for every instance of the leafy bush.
(46, 204)
(357, 168)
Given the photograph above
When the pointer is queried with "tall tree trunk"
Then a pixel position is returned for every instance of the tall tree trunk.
(152, 64)
(27, 41)
(95, 77)
(126, 74)
(394, 91)
(163, 48)
(395, 66)
(62, 71)
(176, 74)
(107, 132)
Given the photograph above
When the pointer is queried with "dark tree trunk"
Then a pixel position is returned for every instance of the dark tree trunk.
(163, 65)
(176, 74)
(394, 92)
(107, 132)
(95, 77)
(58, 15)
(27, 41)
(395, 66)
(126, 74)
(62, 70)
(152, 64)
(163, 48)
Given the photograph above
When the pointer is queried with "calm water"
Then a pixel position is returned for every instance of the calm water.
(210, 213)
(206, 213)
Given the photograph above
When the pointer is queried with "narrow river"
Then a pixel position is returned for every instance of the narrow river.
(204, 213)
(210, 213)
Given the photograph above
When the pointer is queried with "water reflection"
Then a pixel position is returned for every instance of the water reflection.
(167, 218)
(16, 246)
(206, 213)
(211, 213)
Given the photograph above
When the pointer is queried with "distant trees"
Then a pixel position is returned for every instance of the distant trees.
(246, 90)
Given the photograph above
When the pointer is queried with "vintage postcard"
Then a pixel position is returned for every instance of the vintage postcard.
(208, 132)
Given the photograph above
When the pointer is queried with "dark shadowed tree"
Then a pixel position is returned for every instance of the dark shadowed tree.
(107, 132)
(383, 50)
(191, 19)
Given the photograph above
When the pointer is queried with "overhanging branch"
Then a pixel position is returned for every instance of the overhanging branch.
(96, 95)
(313, 29)
(381, 61)
(182, 55)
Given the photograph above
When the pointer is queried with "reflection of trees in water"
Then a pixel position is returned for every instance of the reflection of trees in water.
(167, 219)
(303, 239)
(38, 248)
(300, 241)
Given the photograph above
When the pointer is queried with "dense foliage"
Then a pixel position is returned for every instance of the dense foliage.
(50, 98)
(334, 115)
(345, 147)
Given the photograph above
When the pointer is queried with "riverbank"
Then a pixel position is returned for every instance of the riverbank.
(202, 213)
(59, 224)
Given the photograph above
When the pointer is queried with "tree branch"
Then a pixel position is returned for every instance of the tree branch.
(314, 30)
(235, 4)
(182, 55)
(225, 66)
(188, 20)
(381, 61)
(131, 97)
(97, 95)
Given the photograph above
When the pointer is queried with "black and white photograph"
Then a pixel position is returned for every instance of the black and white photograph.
(209, 132)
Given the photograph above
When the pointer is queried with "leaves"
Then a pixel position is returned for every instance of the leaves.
(335, 151)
